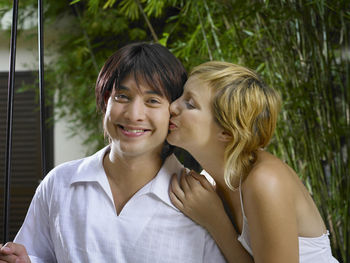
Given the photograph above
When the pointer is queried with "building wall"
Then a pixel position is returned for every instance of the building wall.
(65, 147)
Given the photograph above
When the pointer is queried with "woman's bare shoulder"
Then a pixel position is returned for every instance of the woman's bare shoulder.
(269, 178)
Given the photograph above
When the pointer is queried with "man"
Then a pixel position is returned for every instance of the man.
(114, 206)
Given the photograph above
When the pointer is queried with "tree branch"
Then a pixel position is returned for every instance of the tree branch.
(147, 21)
(204, 35)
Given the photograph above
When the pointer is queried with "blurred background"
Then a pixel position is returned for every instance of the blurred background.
(301, 48)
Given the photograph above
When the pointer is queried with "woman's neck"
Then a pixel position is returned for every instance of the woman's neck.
(213, 163)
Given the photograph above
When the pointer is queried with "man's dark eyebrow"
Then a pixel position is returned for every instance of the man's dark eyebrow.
(150, 92)
(154, 92)
(121, 87)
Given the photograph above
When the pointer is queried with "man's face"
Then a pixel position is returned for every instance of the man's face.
(136, 119)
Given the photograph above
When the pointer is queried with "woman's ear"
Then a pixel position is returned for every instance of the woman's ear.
(224, 136)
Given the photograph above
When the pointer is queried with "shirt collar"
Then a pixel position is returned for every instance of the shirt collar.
(91, 170)
(159, 186)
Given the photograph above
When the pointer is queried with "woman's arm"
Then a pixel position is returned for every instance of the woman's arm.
(270, 210)
(197, 199)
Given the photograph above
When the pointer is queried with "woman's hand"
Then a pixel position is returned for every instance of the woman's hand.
(196, 198)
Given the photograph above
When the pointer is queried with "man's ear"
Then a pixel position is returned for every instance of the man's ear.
(224, 136)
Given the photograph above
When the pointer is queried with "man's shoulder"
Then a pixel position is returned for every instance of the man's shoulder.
(67, 167)
(63, 173)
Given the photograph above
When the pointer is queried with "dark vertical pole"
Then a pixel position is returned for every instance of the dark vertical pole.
(11, 79)
(41, 87)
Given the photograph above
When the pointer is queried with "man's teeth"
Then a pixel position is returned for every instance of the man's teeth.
(133, 131)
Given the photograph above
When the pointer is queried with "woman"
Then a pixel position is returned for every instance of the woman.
(225, 118)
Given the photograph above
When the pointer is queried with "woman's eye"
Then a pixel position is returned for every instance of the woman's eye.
(190, 104)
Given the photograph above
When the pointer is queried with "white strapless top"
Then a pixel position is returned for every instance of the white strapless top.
(311, 249)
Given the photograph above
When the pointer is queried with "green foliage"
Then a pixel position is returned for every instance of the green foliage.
(130, 9)
(299, 47)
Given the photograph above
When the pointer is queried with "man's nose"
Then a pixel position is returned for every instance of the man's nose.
(136, 110)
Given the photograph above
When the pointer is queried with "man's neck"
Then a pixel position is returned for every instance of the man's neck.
(132, 168)
(128, 174)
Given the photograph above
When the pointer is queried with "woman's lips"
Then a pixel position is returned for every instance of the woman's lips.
(172, 125)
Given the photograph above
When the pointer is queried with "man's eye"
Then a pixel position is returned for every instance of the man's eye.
(121, 97)
(154, 101)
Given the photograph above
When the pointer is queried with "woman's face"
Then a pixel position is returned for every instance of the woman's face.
(192, 125)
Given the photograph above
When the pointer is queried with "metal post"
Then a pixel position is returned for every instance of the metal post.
(10, 118)
(41, 87)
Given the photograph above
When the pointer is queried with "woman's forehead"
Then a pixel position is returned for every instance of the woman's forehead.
(197, 85)
(191, 82)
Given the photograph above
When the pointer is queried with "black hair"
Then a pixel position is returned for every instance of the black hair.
(151, 63)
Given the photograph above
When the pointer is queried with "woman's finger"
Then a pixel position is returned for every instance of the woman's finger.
(175, 200)
(176, 189)
(183, 182)
(203, 181)
(193, 182)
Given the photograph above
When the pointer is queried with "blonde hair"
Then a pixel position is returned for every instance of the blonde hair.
(246, 108)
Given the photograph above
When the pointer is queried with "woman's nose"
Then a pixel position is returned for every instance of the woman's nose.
(174, 108)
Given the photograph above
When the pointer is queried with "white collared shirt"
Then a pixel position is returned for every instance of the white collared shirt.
(72, 218)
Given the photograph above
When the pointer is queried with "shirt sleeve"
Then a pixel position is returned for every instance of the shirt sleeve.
(35, 232)
(212, 252)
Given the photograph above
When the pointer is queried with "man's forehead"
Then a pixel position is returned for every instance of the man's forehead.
(144, 83)
(140, 87)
